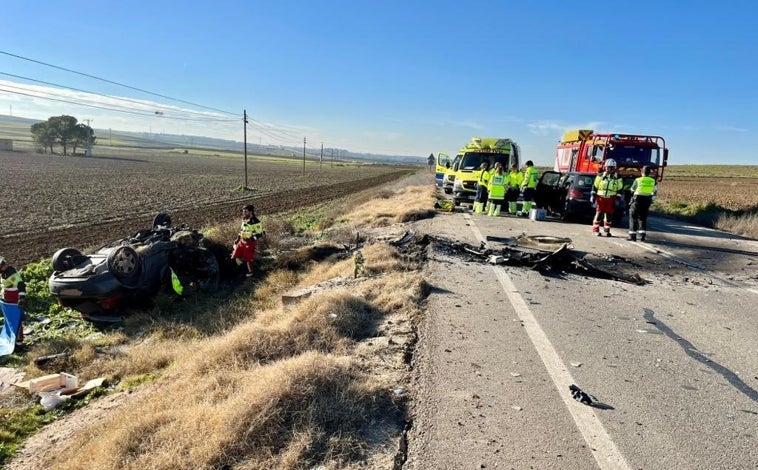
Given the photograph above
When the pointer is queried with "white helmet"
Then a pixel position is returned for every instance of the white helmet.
(610, 163)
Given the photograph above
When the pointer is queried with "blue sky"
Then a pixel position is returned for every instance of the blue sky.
(397, 77)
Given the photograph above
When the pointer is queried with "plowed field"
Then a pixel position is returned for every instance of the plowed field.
(51, 201)
(730, 193)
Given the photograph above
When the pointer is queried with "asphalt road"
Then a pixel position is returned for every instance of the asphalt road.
(672, 364)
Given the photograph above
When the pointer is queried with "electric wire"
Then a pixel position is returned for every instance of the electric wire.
(79, 103)
(141, 103)
(281, 135)
(117, 83)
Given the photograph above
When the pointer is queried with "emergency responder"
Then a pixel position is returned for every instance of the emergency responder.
(528, 187)
(481, 188)
(513, 188)
(496, 188)
(13, 292)
(250, 231)
(643, 193)
(604, 191)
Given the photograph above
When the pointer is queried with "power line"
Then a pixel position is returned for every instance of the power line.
(142, 103)
(281, 135)
(105, 107)
(116, 83)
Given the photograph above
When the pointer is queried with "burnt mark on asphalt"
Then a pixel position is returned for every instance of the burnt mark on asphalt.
(692, 351)
(560, 260)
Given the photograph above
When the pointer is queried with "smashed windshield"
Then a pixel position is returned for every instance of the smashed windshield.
(631, 154)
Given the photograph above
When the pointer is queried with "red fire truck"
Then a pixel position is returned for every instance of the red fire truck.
(580, 156)
(584, 151)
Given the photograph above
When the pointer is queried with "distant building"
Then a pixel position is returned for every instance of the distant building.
(6, 144)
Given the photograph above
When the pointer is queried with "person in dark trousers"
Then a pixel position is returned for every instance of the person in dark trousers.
(643, 193)
(482, 193)
(13, 292)
(250, 230)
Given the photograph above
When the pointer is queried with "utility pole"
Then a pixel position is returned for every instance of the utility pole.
(332, 163)
(110, 142)
(244, 135)
(321, 160)
(303, 156)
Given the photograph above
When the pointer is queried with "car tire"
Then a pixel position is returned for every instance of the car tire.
(65, 259)
(162, 220)
(448, 191)
(124, 264)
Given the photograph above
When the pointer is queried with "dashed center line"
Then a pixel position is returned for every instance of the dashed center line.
(604, 449)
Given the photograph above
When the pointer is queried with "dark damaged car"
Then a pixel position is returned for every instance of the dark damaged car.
(131, 270)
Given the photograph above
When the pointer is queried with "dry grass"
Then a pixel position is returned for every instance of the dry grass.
(745, 225)
(417, 203)
(245, 384)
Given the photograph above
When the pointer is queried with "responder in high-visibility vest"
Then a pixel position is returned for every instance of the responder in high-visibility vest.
(481, 188)
(643, 194)
(250, 230)
(13, 291)
(605, 188)
(528, 188)
(496, 189)
(513, 188)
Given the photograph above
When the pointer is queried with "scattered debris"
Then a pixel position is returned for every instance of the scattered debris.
(581, 396)
(54, 389)
(517, 408)
(42, 360)
(444, 205)
(576, 364)
(562, 259)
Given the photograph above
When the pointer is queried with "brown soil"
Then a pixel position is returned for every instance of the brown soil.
(84, 202)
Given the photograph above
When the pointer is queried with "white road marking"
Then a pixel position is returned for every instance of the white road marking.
(604, 449)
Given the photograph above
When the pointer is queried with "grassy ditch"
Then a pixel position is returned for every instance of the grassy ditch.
(236, 379)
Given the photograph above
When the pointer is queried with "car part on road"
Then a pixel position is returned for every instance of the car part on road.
(562, 259)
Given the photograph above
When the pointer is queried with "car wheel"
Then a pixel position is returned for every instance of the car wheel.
(162, 220)
(123, 263)
(65, 259)
(448, 191)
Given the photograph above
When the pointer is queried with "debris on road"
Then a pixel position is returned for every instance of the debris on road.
(581, 396)
(561, 258)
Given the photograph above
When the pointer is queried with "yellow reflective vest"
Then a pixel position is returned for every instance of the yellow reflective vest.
(251, 228)
(531, 177)
(496, 186)
(644, 186)
(607, 185)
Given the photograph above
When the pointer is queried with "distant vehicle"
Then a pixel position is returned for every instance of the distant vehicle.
(480, 149)
(567, 195)
(132, 269)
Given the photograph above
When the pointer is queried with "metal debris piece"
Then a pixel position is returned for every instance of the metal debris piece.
(581, 396)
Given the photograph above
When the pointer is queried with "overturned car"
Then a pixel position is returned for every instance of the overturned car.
(132, 269)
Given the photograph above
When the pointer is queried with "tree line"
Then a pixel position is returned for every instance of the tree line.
(64, 131)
